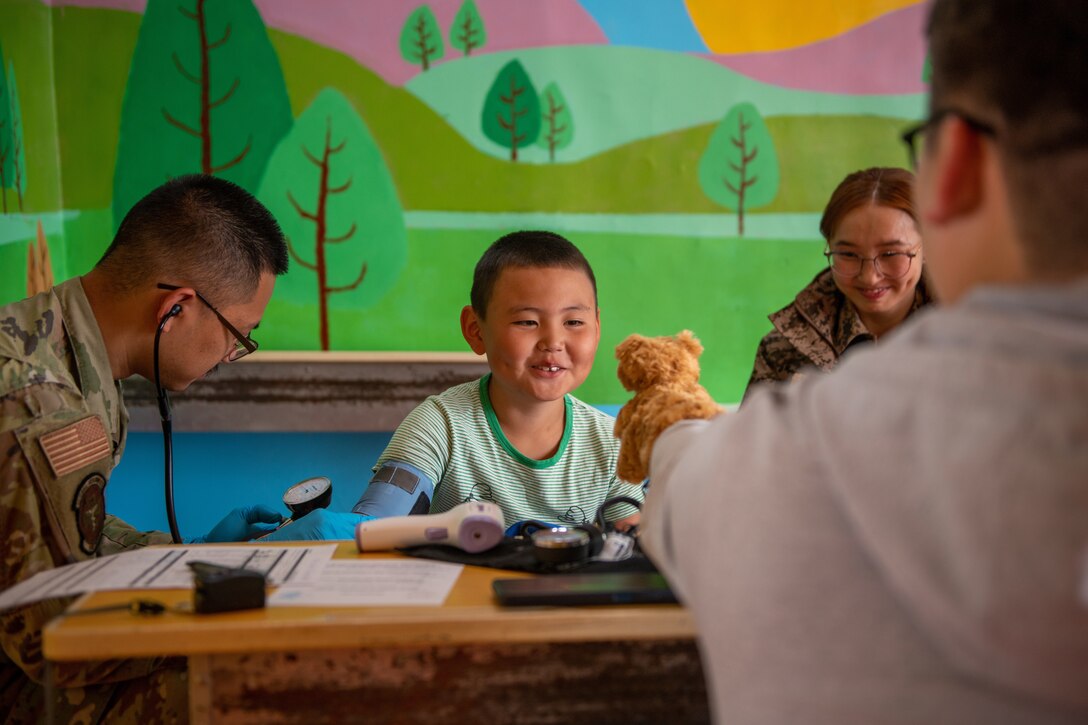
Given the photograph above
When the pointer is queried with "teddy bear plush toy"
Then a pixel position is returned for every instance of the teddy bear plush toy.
(663, 373)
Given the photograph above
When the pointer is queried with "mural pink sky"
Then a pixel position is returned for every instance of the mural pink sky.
(369, 31)
(884, 56)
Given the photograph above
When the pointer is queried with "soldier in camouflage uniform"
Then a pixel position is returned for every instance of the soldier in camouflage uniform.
(63, 422)
(874, 281)
(814, 331)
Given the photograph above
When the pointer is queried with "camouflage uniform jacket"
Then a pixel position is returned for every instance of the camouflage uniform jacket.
(62, 430)
(814, 331)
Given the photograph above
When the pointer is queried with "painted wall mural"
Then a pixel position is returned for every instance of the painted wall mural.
(687, 146)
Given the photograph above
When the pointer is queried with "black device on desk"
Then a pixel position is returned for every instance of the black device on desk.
(584, 589)
(225, 589)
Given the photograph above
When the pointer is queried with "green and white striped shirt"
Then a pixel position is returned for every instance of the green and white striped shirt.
(455, 438)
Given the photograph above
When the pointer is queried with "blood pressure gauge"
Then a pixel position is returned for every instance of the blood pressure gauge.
(305, 496)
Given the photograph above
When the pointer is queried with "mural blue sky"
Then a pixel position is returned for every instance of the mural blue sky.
(661, 24)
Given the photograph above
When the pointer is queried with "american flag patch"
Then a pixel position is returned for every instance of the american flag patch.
(76, 445)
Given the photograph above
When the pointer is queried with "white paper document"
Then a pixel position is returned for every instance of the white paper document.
(167, 568)
(348, 583)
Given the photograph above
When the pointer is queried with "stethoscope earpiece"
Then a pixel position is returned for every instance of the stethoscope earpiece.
(174, 312)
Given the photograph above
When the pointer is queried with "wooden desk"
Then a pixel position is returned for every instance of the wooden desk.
(466, 661)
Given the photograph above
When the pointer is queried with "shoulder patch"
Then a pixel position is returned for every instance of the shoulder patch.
(90, 507)
(74, 446)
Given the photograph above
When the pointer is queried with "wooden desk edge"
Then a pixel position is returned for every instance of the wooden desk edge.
(357, 628)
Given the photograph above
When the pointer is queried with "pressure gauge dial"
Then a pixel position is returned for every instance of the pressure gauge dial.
(305, 496)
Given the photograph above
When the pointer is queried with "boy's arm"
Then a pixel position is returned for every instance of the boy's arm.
(411, 466)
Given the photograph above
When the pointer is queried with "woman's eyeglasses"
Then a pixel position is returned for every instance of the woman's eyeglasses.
(892, 265)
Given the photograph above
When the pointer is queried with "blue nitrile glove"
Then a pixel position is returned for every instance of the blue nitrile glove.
(241, 524)
(320, 525)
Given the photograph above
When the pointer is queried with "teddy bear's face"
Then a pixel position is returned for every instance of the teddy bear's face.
(644, 361)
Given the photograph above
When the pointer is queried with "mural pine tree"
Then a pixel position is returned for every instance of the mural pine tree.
(511, 115)
(739, 169)
(556, 121)
(468, 32)
(421, 38)
(205, 94)
(332, 193)
(7, 159)
(18, 148)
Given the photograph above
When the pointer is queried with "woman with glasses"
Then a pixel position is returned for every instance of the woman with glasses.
(873, 282)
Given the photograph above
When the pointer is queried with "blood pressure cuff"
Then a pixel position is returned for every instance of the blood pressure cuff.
(397, 489)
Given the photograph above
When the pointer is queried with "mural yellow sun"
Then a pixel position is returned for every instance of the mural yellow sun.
(781, 24)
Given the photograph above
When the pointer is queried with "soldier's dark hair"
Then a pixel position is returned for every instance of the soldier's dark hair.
(882, 186)
(524, 249)
(1019, 65)
(201, 231)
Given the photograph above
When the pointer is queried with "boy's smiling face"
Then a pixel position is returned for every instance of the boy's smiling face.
(540, 334)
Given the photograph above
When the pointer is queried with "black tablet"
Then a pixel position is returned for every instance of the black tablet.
(583, 589)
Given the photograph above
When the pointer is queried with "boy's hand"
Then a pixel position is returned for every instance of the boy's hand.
(626, 524)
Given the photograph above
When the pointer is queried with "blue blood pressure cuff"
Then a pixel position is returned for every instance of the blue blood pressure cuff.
(397, 489)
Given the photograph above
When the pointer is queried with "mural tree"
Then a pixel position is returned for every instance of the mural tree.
(205, 94)
(511, 115)
(467, 32)
(332, 193)
(7, 163)
(421, 38)
(557, 124)
(18, 148)
(739, 169)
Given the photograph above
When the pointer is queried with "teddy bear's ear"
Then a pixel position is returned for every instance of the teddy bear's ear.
(690, 343)
(632, 343)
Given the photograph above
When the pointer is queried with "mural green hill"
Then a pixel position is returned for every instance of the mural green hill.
(434, 167)
(630, 93)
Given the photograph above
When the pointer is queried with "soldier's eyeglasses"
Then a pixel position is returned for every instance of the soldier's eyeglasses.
(244, 344)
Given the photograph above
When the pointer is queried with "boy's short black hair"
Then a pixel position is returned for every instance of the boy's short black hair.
(524, 249)
(198, 230)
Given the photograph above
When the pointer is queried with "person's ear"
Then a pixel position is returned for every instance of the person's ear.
(170, 305)
(955, 170)
(471, 329)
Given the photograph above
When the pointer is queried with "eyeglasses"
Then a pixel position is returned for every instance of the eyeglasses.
(892, 265)
(914, 137)
(244, 344)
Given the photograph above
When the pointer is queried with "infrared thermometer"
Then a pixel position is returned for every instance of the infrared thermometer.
(473, 526)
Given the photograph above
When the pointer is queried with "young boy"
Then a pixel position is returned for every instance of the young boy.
(516, 436)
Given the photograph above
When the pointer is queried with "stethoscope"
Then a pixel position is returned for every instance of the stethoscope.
(167, 430)
(300, 499)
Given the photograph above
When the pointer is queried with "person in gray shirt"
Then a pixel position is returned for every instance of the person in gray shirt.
(905, 539)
